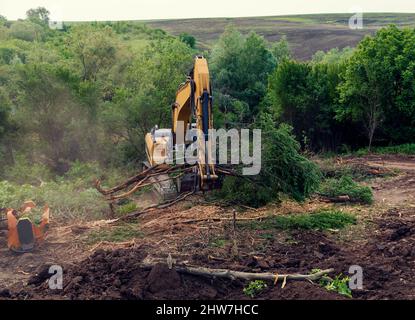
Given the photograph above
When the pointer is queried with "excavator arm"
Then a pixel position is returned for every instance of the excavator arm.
(194, 100)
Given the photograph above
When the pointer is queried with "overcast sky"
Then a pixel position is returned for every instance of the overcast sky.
(167, 9)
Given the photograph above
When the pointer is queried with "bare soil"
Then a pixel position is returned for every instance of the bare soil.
(382, 243)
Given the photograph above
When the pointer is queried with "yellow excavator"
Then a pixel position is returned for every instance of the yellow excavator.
(191, 121)
(168, 169)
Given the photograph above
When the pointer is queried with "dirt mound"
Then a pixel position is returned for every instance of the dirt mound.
(117, 275)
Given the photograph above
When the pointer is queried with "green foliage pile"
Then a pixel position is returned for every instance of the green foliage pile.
(345, 186)
(283, 171)
(320, 220)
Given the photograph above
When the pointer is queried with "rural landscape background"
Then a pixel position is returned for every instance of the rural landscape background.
(337, 187)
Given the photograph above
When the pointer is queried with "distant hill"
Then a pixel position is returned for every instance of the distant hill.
(305, 33)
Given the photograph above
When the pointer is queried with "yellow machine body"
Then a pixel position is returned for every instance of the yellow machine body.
(193, 110)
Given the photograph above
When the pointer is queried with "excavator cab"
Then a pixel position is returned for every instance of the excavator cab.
(23, 233)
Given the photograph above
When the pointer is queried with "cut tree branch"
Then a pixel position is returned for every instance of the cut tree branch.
(233, 275)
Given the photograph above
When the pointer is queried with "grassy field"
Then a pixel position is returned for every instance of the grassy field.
(305, 33)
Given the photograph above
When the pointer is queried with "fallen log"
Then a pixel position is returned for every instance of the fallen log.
(233, 275)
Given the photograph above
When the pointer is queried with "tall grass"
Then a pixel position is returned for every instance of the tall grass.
(65, 199)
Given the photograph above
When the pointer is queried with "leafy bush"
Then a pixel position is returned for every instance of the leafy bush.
(345, 186)
(254, 288)
(320, 220)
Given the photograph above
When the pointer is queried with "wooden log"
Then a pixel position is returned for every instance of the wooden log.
(233, 275)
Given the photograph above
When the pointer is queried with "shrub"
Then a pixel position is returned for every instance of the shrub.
(345, 186)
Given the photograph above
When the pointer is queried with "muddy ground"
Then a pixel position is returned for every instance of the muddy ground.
(382, 243)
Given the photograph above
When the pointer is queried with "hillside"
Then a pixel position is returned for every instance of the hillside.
(305, 33)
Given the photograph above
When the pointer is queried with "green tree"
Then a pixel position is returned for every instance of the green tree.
(38, 15)
(281, 50)
(188, 39)
(54, 126)
(288, 90)
(148, 91)
(379, 82)
(240, 68)
(332, 56)
(4, 113)
(95, 49)
(305, 96)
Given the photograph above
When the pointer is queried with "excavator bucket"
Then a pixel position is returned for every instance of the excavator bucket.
(23, 234)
